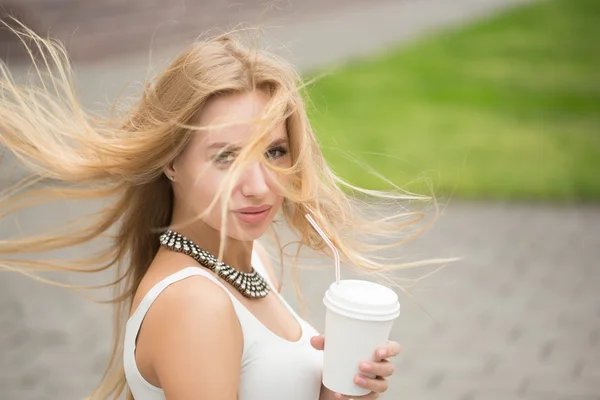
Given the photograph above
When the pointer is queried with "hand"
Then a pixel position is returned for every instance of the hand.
(382, 368)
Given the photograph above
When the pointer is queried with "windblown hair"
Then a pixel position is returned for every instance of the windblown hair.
(120, 160)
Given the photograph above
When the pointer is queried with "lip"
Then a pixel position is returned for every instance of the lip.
(248, 210)
(253, 215)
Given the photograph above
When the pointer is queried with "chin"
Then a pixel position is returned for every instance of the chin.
(247, 234)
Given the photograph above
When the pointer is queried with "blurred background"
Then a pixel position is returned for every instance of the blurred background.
(493, 106)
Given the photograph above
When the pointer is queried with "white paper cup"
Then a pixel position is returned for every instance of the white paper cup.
(358, 320)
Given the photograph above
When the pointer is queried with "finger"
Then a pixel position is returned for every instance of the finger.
(318, 342)
(378, 385)
(390, 349)
(381, 368)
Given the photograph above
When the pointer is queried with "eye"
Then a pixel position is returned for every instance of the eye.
(224, 157)
(276, 152)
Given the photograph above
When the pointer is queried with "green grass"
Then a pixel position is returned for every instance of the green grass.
(507, 108)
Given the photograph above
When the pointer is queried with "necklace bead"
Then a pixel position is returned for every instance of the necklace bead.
(249, 284)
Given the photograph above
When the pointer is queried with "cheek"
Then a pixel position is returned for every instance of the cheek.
(207, 189)
(280, 184)
(199, 185)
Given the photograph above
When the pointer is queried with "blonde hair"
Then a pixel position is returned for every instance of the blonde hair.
(121, 160)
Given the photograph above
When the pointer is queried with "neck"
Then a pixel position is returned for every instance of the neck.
(236, 253)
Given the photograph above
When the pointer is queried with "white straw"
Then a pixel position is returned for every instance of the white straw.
(336, 255)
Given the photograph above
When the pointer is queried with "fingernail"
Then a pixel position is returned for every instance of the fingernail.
(365, 367)
(360, 381)
(381, 353)
(338, 396)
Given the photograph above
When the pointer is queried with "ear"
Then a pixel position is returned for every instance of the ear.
(169, 171)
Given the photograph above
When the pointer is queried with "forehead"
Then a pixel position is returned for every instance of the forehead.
(237, 109)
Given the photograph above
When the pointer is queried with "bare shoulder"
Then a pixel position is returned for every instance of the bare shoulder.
(266, 261)
(191, 306)
(194, 295)
(190, 333)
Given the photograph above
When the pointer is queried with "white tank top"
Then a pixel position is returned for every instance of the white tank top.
(272, 367)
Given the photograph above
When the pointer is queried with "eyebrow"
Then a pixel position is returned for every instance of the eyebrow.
(233, 147)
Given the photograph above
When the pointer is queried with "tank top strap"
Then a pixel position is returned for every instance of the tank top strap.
(134, 377)
(135, 322)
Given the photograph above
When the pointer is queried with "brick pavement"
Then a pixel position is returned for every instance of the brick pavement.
(517, 318)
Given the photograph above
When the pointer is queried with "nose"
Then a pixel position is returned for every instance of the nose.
(255, 181)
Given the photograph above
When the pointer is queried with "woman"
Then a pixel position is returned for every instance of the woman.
(194, 174)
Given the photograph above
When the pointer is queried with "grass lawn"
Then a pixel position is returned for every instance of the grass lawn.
(507, 108)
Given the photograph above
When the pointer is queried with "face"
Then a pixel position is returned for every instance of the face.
(202, 169)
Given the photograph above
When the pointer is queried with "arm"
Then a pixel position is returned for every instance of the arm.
(196, 340)
(327, 394)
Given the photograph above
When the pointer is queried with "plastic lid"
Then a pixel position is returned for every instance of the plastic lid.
(362, 300)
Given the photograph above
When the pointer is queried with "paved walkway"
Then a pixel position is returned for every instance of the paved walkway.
(518, 318)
